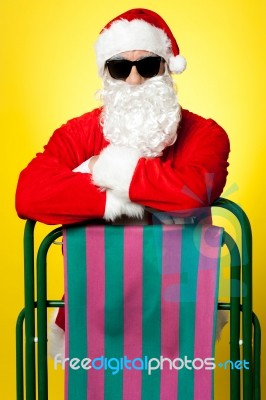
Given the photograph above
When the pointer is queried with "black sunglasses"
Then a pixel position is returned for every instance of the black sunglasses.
(147, 67)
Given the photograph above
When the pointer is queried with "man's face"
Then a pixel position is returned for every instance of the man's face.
(138, 112)
(134, 77)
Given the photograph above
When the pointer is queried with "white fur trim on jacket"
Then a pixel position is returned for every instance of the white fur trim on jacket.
(114, 169)
(56, 339)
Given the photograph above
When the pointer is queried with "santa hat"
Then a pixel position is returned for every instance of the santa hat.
(138, 29)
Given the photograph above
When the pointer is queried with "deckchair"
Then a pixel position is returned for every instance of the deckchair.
(245, 337)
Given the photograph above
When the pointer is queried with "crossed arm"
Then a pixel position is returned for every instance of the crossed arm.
(190, 174)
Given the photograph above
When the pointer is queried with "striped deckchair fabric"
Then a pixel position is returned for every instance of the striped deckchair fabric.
(141, 305)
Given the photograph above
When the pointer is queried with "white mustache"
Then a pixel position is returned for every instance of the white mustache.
(143, 116)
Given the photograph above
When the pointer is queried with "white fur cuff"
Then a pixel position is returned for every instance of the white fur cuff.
(117, 206)
(115, 167)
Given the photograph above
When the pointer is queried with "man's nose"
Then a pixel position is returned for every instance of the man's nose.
(134, 78)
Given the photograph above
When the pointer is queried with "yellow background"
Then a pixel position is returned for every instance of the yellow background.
(48, 75)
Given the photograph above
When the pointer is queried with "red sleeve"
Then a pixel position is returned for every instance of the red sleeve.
(191, 174)
(48, 191)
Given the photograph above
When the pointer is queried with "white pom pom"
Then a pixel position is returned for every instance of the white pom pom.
(177, 64)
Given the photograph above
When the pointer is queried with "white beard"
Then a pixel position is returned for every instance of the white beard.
(144, 117)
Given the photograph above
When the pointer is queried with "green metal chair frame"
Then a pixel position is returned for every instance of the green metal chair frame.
(244, 384)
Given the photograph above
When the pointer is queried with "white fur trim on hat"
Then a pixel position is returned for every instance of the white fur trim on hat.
(126, 35)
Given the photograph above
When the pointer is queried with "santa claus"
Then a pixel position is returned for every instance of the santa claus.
(140, 149)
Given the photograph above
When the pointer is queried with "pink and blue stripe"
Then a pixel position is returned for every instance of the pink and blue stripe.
(141, 292)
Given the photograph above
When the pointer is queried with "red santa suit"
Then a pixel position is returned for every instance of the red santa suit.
(187, 178)
(189, 175)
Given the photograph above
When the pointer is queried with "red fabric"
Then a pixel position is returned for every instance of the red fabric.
(48, 191)
(151, 18)
(191, 174)
(60, 318)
